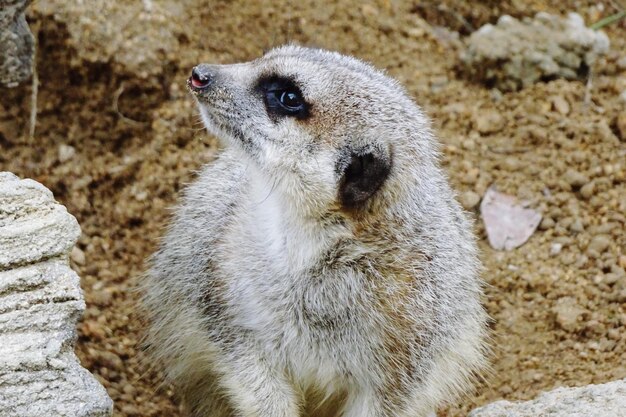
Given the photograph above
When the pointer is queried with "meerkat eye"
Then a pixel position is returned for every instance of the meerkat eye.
(291, 100)
(282, 97)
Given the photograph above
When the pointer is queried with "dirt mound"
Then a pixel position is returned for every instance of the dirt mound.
(116, 141)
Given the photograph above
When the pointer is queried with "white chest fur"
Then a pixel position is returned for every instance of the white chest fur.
(283, 299)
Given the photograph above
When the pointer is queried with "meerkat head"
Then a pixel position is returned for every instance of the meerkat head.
(325, 130)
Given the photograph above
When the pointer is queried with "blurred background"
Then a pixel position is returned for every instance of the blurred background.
(117, 137)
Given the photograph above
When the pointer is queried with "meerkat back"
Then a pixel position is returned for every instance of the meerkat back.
(321, 265)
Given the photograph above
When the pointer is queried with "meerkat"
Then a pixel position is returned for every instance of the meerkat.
(321, 265)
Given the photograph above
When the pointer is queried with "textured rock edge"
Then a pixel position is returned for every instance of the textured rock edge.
(40, 305)
(17, 43)
(602, 400)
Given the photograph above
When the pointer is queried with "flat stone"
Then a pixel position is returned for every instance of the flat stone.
(603, 400)
(40, 305)
(508, 223)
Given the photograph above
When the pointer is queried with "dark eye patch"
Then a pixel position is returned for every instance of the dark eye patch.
(283, 97)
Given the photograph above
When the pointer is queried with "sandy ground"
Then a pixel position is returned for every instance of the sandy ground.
(116, 147)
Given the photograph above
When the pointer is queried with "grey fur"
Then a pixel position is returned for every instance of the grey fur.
(267, 298)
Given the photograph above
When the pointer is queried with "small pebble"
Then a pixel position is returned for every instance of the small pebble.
(568, 259)
(102, 298)
(470, 177)
(511, 163)
(598, 244)
(93, 330)
(595, 326)
(577, 226)
(468, 144)
(547, 223)
(66, 153)
(130, 410)
(129, 389)
(369, 10)
(487, 122)
(537, 377)
(469, 200)
(496, 95)
(561, 105)
(556, 248)
(575, 178)
(614, 334)
(587, 190)
(611, 278)
(77, 255)
(567, 313)
(110, 360)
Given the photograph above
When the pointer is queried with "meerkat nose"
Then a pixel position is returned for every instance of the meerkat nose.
(201, 77)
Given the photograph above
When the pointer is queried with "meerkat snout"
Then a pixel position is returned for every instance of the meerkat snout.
(321, 265)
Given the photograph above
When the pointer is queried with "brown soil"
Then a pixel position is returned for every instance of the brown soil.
(559, 316)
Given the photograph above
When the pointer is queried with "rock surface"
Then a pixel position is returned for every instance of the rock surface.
(514, 54)
(16, 43)
(138, 38)
(605, 400)
(40, 304)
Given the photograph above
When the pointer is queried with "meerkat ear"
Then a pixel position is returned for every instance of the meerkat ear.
(363, 175)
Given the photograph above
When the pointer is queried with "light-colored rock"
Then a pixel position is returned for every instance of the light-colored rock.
(16, 43)
(603, 400)
(32, 225)
(508, 223)
(40, 304)
(514, 54)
